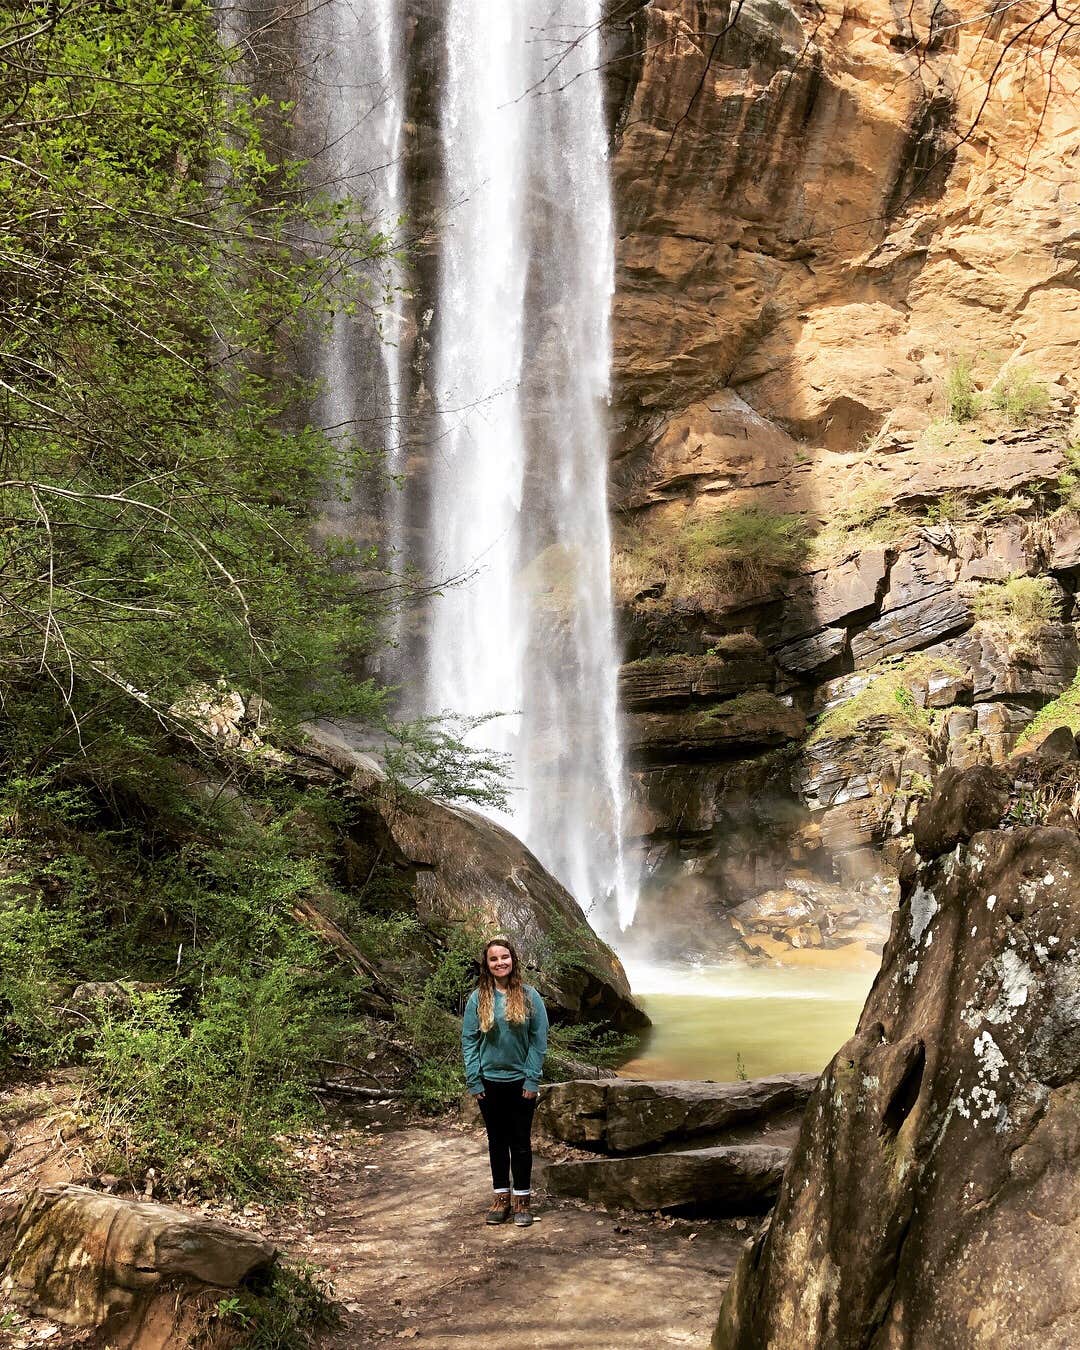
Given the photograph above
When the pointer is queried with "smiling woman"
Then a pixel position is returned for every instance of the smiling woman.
(504, 1040)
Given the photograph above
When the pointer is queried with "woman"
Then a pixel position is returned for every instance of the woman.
(504, 1040)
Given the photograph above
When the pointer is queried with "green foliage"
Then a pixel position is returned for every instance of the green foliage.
(584, 1043)
(1018, 395)
(732, 551)
(432, 756)
(428, 1015)
(197, 1071)
(888, 696)
(155, 505)
(1018, 607)
(963, 402)
(952, 508)
(283, 1308)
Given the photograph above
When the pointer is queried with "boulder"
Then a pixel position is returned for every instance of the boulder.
(623, 1116)
(466, 866)
(87, 1259)
(933, 1197)
(962, 804)
(737, 1179)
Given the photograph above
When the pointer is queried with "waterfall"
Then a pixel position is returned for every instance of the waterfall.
(521, 369)
(354, 114)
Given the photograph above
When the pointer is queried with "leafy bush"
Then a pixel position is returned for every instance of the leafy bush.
(283, 1308)
(1018, 395)
(428, 1013)
(963, 401)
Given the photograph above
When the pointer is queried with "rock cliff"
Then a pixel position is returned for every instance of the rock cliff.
(846, 320)
(933, 1197)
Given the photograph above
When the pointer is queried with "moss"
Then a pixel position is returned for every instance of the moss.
(1063, 711)
(887, 697)
(754, 703)
(733, 551)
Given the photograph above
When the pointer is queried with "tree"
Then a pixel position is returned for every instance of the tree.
(156, 474)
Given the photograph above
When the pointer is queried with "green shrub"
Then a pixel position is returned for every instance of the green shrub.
(735, 550)
(286, 1307)
(1018, 395)
(428, 1014)
(1018, 607)
(963, 402)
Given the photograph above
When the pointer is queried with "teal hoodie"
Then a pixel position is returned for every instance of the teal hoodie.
(509, 1050)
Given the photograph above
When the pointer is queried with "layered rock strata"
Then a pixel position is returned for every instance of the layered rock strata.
(708, 1148)
(137, 1270)
(824, 214)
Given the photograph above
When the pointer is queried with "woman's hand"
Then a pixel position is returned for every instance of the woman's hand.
(529, 1096)
(479, 1096)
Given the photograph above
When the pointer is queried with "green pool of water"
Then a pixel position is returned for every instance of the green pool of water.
(710, 1022)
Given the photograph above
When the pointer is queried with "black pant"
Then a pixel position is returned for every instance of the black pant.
(508, 1118)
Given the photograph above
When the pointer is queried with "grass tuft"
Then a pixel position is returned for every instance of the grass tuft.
(734, 551)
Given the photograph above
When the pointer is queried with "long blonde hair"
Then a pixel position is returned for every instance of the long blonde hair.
(518, 1006)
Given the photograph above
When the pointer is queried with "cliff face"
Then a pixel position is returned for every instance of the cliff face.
(846, 321)
(932, 1198)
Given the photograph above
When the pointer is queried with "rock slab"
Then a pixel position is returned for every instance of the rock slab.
(623, 1116)
(736, 1179)
(933, 1197)
(90, 1260)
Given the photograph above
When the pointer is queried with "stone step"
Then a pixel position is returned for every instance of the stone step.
(736, 1179)
(622, 1115)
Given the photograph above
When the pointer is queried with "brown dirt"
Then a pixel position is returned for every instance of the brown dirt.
(405, 1242)
(392, 1211)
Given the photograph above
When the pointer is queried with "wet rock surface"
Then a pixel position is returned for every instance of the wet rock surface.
(933, 1196)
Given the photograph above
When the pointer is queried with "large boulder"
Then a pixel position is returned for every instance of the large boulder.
(933, 1198)
(466, 868)
(624, 1116)
(734, 1179)
(92, 1260)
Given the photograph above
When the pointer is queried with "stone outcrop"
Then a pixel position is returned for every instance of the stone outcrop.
(806, 244)
(933, 1195)
(624, 1116)
(88, 1259)
(736, 1179)
(684, 1147)
(463, 867)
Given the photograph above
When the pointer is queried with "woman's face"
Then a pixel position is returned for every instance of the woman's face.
(500, 962)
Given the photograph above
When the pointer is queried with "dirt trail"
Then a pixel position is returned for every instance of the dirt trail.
(404, 1240)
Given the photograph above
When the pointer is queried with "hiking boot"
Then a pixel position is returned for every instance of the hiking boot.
(500, 1209)
(522, 1213)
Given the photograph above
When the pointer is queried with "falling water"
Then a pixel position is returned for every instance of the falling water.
(354, 61)
(521, 376)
